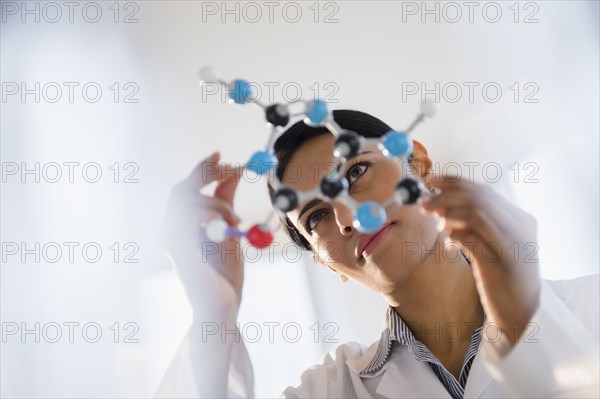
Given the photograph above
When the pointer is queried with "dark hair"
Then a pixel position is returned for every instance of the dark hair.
(288, 143)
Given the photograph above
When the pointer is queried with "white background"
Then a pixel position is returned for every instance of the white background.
(362, 58)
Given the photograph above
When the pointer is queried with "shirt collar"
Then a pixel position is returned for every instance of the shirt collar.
(398, 331)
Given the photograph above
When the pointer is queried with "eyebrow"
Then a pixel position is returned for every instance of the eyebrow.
(310, 204)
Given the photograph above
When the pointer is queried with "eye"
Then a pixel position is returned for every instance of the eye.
(356, 171)
(313, 219)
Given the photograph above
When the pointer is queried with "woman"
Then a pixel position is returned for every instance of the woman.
(517, 335)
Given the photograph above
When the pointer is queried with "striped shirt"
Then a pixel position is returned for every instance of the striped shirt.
(397, 331)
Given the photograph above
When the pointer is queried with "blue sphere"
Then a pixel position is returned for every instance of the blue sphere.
(397, 144)
(317, 112)
(261, 162)
(370, 216)
(241, 91)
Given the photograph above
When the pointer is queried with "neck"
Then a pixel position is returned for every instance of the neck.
(440, 303)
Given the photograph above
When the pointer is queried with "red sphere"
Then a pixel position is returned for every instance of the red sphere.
(259, 238)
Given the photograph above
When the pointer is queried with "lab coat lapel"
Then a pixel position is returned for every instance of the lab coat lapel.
(406, 377)
(402, 376)
(479, 378)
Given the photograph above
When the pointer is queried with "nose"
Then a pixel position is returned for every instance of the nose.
(343, 218)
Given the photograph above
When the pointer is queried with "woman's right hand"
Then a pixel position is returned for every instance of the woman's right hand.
(211, 273)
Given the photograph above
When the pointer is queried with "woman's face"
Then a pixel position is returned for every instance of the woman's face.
(371, 176)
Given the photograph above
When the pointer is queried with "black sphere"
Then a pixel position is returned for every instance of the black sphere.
(409, 190)
(276, 118)
(348, 144)
(332, 187)
(285, 200)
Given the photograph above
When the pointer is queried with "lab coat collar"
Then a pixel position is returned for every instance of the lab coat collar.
(395, 331)
(393, 323)
(360, 363)
(416, 378)
(376, 361)
(479, 377)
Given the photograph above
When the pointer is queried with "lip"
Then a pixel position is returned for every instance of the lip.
(367, 243)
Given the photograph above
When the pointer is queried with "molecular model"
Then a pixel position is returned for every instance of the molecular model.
(369, 216)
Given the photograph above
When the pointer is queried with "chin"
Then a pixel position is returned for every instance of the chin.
(390, 265)
(399, 256)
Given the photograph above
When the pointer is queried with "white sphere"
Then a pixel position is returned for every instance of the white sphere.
(282, 202)
(429, 108)
(216, 230)
(342, 150)
(208, 74)
(403, 194)
(281, 110)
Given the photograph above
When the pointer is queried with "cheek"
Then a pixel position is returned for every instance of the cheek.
(388, 166)
(416, 227)
(393, 169)
(383, 177)
(330, 252)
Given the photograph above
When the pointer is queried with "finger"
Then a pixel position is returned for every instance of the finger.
(481, 255)
(209, 170)
(504, 214)
(483, 258)
(226, 189)
(448, 199)
(471, 245)
(477, 222)
(457, 219)
(189, 205)
(474, 249)
(224, 209)
(449, 182)
(200, 175)
(498, 211)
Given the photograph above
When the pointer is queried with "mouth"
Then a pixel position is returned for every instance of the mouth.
(368, 243)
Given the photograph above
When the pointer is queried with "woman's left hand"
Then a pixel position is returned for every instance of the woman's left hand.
(501, 241)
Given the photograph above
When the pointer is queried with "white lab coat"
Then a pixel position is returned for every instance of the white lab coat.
(564, 362)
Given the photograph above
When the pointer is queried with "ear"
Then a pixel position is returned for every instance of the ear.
(421, 164)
